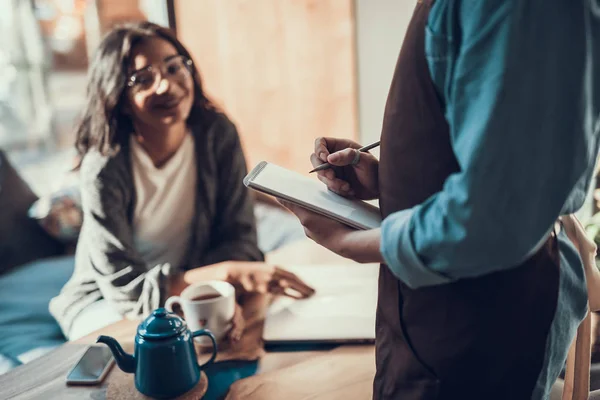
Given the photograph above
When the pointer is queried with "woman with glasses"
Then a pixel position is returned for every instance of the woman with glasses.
(162, 195)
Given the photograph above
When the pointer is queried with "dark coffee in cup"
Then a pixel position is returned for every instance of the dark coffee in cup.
(207, 296)
(206, 305)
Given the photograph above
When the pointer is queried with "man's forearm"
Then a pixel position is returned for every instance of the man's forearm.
(363, 246)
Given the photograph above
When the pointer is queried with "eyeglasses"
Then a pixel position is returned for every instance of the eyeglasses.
(147, 79)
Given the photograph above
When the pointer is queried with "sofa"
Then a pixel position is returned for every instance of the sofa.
(35, 262)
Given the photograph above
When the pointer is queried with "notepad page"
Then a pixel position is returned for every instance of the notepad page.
(313, 194)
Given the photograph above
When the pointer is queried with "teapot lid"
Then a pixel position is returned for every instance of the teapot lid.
(161, 324)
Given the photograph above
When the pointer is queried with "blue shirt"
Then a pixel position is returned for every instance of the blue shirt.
(520, 81)
(521, 85)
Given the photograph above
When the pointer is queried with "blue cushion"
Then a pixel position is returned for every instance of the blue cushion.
(25, 322)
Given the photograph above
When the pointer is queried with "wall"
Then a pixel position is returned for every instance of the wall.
(380, 29)
(343, 54)
(284, 70)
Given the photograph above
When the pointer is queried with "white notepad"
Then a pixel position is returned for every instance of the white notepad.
(313, 195)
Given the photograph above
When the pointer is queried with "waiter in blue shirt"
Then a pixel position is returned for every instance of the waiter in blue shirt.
(490, 133)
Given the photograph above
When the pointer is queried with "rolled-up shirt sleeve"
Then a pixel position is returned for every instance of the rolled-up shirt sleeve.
(513, 101)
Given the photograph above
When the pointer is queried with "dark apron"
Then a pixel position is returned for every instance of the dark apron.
(481, 338)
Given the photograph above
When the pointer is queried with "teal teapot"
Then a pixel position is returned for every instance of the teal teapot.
(164, 361)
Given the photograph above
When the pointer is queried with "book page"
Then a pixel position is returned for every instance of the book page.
(314, 195)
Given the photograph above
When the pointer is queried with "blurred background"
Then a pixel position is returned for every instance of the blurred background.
(45, 46)
(285, 71)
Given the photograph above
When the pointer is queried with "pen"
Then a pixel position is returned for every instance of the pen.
(362, 149)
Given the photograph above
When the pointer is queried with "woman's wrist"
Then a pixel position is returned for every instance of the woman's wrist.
(211, 272)
(179, 281)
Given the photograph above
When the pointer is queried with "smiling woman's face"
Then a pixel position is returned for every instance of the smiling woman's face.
(162, 90)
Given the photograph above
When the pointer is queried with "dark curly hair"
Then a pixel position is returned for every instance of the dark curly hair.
(104, 126)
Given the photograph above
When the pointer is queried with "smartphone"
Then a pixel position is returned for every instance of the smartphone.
(92, 367)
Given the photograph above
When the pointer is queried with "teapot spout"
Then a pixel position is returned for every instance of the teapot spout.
(124, 360)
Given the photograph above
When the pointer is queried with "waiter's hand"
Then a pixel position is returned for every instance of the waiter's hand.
(360, 246)
(345, 179)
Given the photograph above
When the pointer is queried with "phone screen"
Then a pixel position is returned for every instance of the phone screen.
(91, 365)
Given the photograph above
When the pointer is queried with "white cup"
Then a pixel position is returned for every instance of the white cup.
(214, 314)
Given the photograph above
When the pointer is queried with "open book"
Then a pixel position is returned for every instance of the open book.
(313, 195)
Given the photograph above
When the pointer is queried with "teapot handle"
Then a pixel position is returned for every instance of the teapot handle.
(206, 332)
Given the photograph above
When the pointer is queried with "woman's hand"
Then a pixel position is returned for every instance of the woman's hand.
(360, 180)
(238, 324)
(254, 277)
(246, 277)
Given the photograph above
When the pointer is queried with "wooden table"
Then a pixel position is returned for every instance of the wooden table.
(340, 373)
